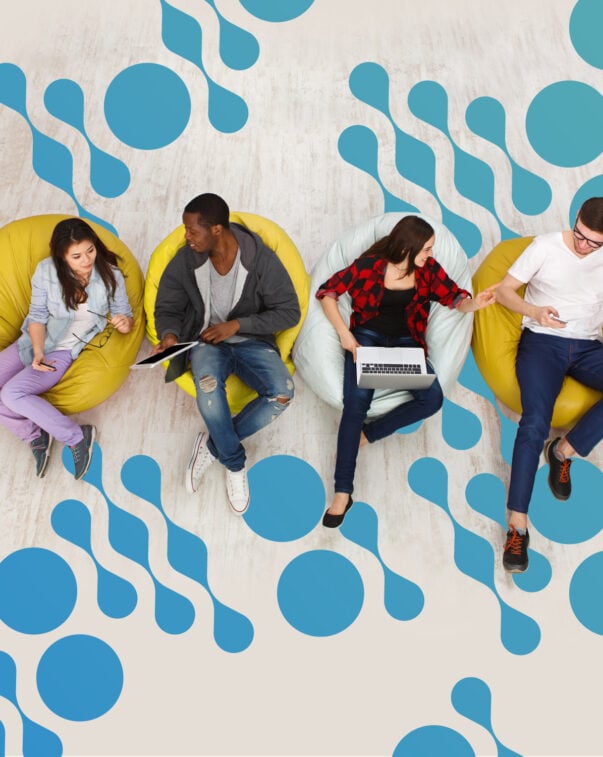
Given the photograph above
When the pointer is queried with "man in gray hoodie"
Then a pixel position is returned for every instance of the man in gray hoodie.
(228, 290)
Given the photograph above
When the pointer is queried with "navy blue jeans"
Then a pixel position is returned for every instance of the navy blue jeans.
(356, 403)
(256, 363)
(543, 361)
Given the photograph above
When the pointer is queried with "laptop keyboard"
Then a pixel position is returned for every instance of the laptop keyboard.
(390, 369)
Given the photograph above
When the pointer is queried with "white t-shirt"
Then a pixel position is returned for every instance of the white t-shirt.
(558, 278)
(81, 324)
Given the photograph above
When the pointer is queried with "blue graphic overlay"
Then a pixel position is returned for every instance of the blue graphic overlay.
(181, 33)
(432, 740)
(486, 495)
(37, 590)
(579, 518)
(359, 147)
(471, 698)
(239, 49)
(147, 106)
(129, 536)
(187, 553)
(402, 598)
(320, 593)
(591, 188)
(473, 556)
(64, 99)
(415, 160)
(287, 498)
(51, 161)
(553, 129)
(461, 428)
(79, 677)
(585, 27)
(486, 117)
(37, 741)
(116, 597)
(473, 178)
(276, 10)
(585, 592)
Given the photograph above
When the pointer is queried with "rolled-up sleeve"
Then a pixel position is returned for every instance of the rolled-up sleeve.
(120, 303)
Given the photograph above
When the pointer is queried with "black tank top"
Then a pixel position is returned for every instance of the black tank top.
(392, 320)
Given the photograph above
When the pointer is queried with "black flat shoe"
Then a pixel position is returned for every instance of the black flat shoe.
(332, 521)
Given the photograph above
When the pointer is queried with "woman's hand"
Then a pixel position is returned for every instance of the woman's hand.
(40, 364)
(485, 298)
(122, 323)
(348, 342)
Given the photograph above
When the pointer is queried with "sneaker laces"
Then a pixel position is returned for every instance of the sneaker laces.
(514, 542)
(564, 476)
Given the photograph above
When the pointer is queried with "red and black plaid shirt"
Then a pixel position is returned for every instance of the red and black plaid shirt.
(364, 281)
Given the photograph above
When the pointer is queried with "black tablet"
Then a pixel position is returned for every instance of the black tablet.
(167, 354)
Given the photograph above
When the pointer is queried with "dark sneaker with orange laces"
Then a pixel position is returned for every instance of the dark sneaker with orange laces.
(559, 471)
(515, 554)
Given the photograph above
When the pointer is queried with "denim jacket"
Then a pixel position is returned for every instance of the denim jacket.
(48, 307)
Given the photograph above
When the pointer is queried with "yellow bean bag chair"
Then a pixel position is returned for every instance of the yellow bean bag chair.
(98, 371)
(496, 334)
(238, 393)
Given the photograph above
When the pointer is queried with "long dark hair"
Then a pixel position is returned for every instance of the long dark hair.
(71, 231)
(404, 242)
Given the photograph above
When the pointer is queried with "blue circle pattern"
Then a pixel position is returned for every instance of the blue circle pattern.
(555, 131)
(276, 10)
(320, 593)
(37, 590)
(586, 23)
(79, 677)
(431, 740)
(287, 498)
(147, 106)
(586, 589)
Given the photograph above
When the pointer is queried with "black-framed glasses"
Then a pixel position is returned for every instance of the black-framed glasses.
(103, 338)
(590, 242)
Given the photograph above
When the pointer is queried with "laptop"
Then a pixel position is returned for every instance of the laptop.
(167, 354)
(392, 368)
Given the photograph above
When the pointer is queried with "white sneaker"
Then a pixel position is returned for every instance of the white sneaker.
(201, 459)
(238, 490)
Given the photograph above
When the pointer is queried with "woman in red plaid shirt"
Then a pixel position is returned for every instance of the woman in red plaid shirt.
(391, 286)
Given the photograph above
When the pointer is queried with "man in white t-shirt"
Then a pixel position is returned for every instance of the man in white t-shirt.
(562, 319)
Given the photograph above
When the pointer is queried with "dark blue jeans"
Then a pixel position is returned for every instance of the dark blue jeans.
(543, 361)
(356, 403)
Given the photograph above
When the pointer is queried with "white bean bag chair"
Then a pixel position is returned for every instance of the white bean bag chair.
(317, 352)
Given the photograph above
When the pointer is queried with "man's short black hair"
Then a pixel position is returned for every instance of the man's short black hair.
(212, 209)
(591, 214)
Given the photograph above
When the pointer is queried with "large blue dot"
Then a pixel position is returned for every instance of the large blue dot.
(37, 590)
(432, 740)
(79, 677)
(276, 10)
(320, 593)
(586, 23)
(564, 123)
(147, 106)
(591, 188)
(585, 592)
(287, 498)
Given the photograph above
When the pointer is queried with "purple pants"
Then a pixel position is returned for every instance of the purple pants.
(22, 411)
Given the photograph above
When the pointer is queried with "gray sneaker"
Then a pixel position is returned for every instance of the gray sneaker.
(41, 452)
(82, 452)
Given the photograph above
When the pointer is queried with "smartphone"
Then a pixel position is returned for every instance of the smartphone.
(556, 318)
(46, 365)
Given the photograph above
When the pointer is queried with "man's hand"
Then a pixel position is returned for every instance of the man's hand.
(548, 316)
(219, 332)
(167, 341)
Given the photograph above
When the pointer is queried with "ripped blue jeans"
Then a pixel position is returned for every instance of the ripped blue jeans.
(256, 363)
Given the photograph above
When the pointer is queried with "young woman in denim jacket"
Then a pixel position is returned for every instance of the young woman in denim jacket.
(73, 292)
(391, 286)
